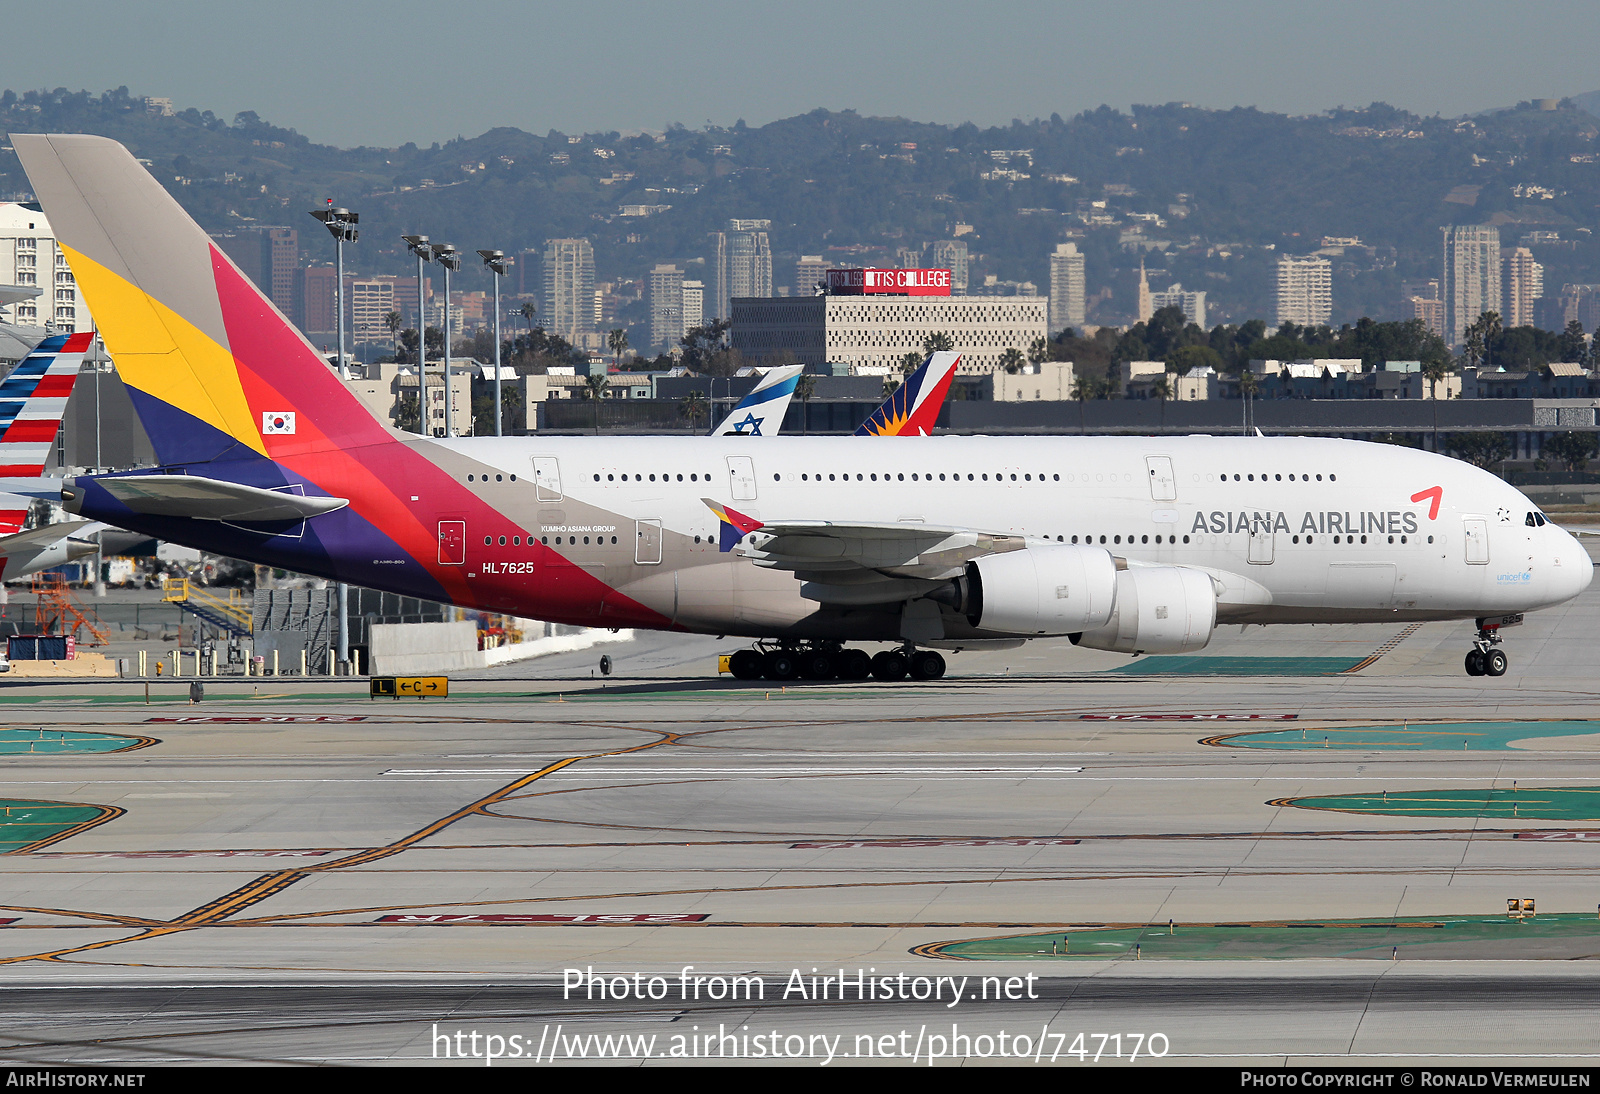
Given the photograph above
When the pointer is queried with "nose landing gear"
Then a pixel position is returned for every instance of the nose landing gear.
(1486, 658)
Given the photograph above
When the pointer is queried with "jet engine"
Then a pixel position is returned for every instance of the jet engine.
(1037, 591)
(1159, 609)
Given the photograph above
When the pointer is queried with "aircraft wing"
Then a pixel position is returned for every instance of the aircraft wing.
(42, 536)
(201, 498)
(860, 563)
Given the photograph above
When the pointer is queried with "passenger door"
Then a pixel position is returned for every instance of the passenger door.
(1164, 485)
(1261, 542)
(1476, 532)
(452, 542)
(647, 542)
(742, 478)
(546, 478)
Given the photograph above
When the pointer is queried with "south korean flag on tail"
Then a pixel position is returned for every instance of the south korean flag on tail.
(279, 422)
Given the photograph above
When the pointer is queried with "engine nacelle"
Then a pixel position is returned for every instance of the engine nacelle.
(1159, 609)
(1038, 591)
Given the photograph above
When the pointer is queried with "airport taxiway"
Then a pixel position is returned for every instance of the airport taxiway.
(300, 873)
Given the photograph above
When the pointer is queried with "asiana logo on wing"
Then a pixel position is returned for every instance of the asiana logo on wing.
(277, 422)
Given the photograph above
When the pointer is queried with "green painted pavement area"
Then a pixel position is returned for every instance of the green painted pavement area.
(1483, 736)
(1566, 803)
(1560, 936)
(27, 825)
(15, 741)
(1238, 666)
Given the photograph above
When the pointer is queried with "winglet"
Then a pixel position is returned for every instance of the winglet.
(735, 525)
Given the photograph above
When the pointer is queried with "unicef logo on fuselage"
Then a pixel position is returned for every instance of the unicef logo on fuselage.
(1513, 579)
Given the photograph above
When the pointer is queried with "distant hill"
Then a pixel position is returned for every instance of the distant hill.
(1590, 101)
(1208, 198)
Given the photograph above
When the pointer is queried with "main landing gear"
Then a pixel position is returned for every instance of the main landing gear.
(1486, 658)
(831, 661)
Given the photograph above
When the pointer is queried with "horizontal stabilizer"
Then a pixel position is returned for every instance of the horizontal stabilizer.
(43, 536)
(210, 499)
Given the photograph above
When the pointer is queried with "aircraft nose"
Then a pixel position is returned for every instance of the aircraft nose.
(1577, 568)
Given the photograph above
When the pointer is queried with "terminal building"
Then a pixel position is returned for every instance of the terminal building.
(869, 319)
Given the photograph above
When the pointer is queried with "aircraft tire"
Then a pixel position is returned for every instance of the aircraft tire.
(1474, 663)
(746, 665)
(818, 665)
(1495, 663)
(926, 665)
(855, 665)
(781, 665)
(889, 666)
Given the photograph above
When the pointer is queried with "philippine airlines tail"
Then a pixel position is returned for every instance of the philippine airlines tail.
(912, 409)
(760, 413)
(213, 369)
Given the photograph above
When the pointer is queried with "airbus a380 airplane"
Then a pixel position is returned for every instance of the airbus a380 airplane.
(805, 544)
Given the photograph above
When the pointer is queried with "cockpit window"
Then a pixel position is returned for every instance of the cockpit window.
(1530, 522)
(1535, 520)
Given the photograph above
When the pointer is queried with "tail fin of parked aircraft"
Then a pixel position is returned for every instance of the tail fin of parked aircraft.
(912, 409)
(760, 413)
(33, 400)
(212, 367)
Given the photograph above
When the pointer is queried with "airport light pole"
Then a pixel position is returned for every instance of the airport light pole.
(419, 246)
(341, 224)
(450, 259)
(498, 264)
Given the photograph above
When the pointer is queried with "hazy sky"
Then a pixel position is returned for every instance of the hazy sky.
(383, 73)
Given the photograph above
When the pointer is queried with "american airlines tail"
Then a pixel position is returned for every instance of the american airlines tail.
(912, 409)
(33, 400)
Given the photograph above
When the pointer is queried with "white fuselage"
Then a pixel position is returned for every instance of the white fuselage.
(1293, 529)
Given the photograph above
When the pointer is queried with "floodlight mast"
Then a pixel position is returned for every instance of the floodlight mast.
(498, 264)
(450, 258)
(341, 224)
(419, 246)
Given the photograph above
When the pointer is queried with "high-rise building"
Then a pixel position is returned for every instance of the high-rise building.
(1146, 306)
(268, 256)
(1524, 285)
(1066, 287)
(949, 254)
(694, 305)
(1192, 304)
(744, 262)
(1471, 282)
(666, 306)
(30, 256)
(1430, 311)
(810, 272)
(1305, 290)
(569, 289)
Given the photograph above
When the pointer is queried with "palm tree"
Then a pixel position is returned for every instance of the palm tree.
(527, 311)
(1249, 382)
(805, 388)
(939, 341)
(1084, 388)
(1011, 360)
(910, 361)
(618, 341)
(1161, 388)
(1039, 351)
(691, 407)
(391, 319)
(597, 389)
